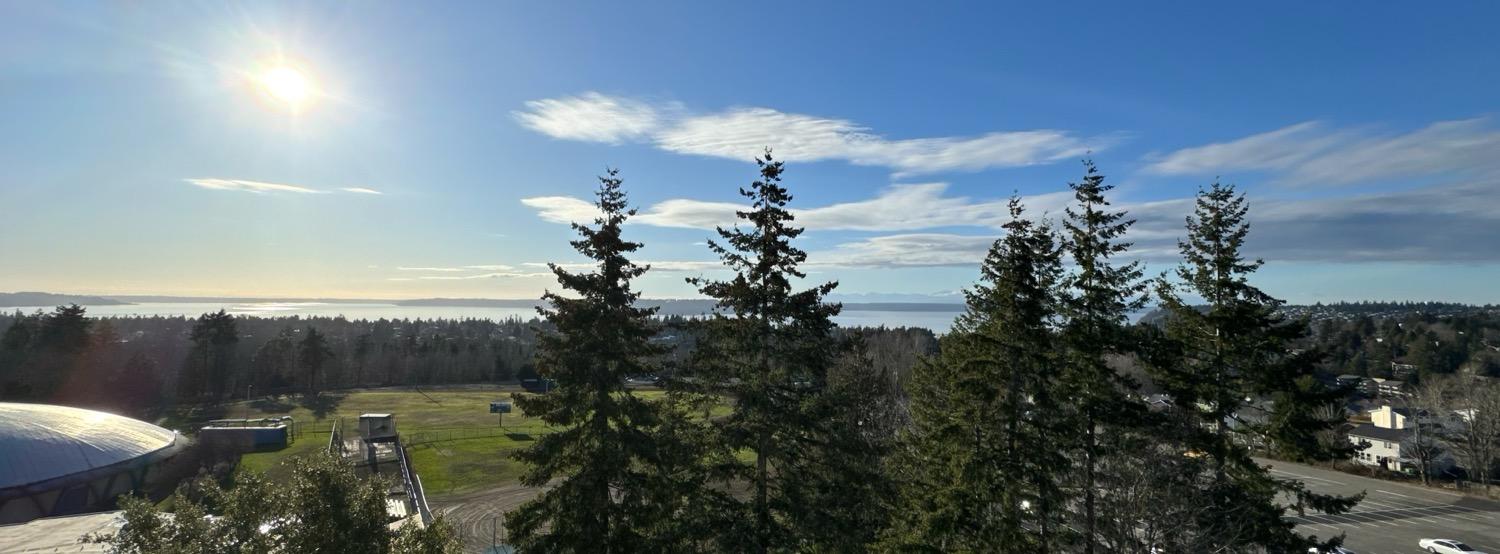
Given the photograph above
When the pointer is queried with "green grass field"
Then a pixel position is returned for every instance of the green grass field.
(456, 445)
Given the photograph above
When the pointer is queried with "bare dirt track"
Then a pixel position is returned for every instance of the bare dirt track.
(479, 516)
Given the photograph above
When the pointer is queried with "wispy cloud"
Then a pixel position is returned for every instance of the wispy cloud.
(1427, 224)
(1312, 153)
(256, 187)
(490, 275)
(896, 208)
(591, 117)
(457, 269)
(908, 250)
(261, 187)
(742, 133)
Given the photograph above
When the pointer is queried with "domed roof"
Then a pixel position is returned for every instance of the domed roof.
(39, 442)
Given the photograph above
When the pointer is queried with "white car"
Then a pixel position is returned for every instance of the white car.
(1446, 546)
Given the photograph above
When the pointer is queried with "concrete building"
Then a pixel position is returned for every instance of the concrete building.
(57, 460)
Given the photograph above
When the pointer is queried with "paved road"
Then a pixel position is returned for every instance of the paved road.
(1394, 516)
(478, 516)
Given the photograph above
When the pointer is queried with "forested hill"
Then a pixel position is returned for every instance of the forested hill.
(49, 299)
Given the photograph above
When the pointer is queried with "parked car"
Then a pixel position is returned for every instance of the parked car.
(1334, 550)
(1446, 546)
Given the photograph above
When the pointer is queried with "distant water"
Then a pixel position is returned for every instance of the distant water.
(938, 322)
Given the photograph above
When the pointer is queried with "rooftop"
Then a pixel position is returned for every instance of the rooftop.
(1368, 431)
(39, 442)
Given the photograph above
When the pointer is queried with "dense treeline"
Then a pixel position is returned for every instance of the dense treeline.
(136, 364)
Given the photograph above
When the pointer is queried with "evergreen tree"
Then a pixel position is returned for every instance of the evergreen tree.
(207, 374)
(313, 355)
(617, 472)
(1099, 297)
(814, 477)
(1233, 373)
(981, 465)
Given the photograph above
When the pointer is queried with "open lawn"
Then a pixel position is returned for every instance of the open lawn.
(455, 443)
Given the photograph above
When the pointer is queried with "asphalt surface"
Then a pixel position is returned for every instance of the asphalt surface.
(1393, 517)
(479, 517)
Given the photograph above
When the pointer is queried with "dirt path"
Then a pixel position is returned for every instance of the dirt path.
(479, 516)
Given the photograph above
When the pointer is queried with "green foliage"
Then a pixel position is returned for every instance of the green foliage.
(325, 507)
(1096, 300)
(210, 366)
(617, 473)
(313, 353)
(813, 475)
(982, 463)
(1237, 380)
(40, 352)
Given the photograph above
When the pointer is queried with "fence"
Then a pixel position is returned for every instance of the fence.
(335, 439)
(458, 433)
(413, 484)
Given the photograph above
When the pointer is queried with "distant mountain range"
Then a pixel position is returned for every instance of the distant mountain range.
(668, 306)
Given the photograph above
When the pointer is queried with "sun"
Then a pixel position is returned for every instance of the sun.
(287, 86)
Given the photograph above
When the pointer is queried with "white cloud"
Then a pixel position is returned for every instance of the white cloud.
(743, 133)
(907, 250)
(490, 271)
(260, 187)
(1279, 149)
(256, 187)
(562, 209)
(591, 117)
(1311, 154)
(490, 275)
(922, 206)
(897, 208)
(1426, 224)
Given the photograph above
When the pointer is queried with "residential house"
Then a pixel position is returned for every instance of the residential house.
(1389, 430)
(1384, 445)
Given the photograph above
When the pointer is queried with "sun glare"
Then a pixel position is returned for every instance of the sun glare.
(287, 87)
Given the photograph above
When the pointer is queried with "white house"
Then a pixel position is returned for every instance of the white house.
(1389, 427)
(1384, 448)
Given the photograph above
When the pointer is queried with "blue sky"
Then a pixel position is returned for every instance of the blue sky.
(436, 149)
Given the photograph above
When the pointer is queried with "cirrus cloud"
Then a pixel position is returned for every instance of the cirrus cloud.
(1311, 153)
(261, 187)
(742, 133)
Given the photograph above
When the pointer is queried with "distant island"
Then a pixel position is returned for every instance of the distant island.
(16, 299)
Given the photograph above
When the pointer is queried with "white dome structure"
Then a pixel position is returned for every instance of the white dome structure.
(58, 460)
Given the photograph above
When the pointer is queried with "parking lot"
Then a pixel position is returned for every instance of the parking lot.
(1394, 516)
